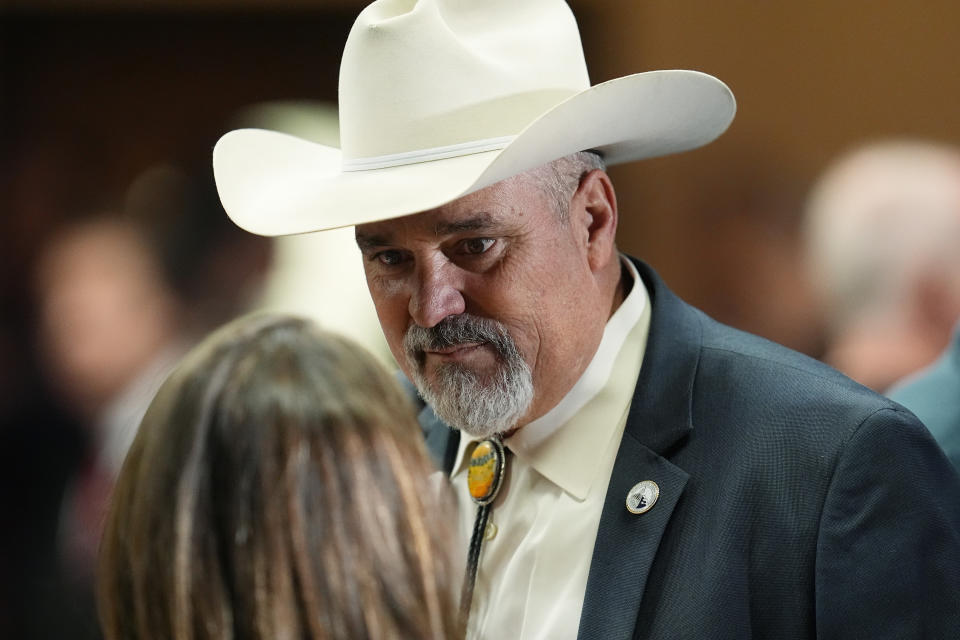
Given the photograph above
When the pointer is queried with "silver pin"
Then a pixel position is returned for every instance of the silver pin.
(642, 496)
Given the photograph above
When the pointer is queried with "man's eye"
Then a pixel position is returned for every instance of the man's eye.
(475, 246)
(389, 258)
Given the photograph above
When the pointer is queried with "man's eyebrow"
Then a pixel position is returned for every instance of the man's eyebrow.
(369, 241)
(479, 222)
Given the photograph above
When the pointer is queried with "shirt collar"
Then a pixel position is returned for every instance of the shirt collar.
(530, 442)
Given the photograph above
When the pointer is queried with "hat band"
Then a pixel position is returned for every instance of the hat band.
(426, 155)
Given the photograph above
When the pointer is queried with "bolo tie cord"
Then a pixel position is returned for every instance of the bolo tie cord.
(473, 557)
(484, 477)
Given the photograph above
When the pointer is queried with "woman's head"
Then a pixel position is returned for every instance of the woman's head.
(278, 488)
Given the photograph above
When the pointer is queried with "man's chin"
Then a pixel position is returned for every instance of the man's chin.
(447, 376)
(480, 416)
(478, 398)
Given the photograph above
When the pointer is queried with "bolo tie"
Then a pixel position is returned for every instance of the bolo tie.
(484, 477)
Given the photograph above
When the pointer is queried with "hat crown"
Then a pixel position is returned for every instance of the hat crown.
(426, 74)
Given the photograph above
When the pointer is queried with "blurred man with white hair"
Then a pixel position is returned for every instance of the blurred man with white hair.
(883, 231)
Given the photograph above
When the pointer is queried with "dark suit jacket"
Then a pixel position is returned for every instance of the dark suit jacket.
(794, 503)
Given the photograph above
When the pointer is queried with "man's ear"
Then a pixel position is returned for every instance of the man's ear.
(599, 202)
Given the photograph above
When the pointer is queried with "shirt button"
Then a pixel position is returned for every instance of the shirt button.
(490, 532)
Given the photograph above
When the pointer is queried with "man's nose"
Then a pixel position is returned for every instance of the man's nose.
(437, 294)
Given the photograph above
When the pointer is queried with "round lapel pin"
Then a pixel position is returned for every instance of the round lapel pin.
(485, 474)
(642, 496)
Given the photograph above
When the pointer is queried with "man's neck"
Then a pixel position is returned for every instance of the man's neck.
(623, 288)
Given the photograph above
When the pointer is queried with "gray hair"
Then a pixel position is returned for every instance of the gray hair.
(559, 179)
(459, 396)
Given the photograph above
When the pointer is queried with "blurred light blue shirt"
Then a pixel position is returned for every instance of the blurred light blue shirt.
(933, 394)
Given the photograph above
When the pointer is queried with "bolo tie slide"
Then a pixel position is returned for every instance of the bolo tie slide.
(484, 477)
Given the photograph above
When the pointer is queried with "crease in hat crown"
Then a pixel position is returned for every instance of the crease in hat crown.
(432, 79)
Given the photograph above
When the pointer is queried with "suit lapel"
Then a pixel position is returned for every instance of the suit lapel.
(660, 419)
(627, 543)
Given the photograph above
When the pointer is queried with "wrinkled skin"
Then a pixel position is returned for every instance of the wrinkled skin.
(503, 253)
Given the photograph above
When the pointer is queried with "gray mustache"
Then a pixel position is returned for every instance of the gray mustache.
(454, 330)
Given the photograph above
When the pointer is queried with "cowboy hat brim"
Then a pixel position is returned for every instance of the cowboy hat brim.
(274, 184)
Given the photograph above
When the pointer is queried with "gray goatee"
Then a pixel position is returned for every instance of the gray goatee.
(480, 405)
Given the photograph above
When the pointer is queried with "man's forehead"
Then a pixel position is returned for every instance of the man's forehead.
(490, 208)
(431, 223)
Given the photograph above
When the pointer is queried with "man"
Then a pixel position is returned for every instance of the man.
(727, 487)
(882, 231)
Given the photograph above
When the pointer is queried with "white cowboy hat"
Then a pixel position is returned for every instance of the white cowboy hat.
(440, 98)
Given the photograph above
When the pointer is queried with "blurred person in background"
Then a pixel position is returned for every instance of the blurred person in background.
(111, 328)
(278, 488)
(934, 395)
(883, 249)
(121, 294)
(896, 206)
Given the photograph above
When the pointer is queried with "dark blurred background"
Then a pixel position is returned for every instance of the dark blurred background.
(109, 110)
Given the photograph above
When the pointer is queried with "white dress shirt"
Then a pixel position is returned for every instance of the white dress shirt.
(535, 561)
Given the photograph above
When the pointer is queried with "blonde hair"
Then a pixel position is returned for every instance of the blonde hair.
(278, 488)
